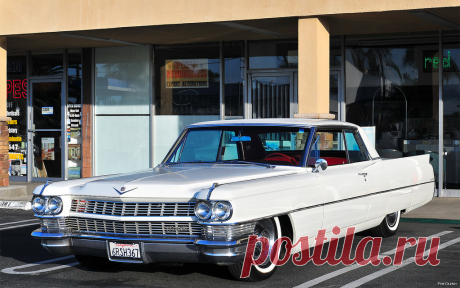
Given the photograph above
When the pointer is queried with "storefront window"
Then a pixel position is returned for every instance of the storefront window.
(187, 90)
(270, 55)
(17, 110)
(122, 109)
(451, 99)
(334, 94)
(396, 90)
(47, 63)
(74, 115)
(234, 78)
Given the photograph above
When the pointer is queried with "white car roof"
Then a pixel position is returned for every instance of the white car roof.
(275, 122)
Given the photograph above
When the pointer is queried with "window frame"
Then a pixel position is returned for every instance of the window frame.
(342, 130)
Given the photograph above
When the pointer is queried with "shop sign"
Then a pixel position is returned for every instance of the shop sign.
(47, 110)
(431, 62)
(74, 172)
(187, 73)
(74, 122)
(16, 106)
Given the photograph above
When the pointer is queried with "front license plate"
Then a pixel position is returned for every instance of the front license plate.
(124, 251)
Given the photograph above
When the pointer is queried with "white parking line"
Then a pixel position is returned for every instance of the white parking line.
(354, 266)
(17, 226)
(3, 224)
(387, 270)
(11, 270)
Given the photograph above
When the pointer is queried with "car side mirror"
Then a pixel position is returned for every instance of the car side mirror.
(320, 164)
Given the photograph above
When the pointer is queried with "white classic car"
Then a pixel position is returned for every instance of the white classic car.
(223, 181)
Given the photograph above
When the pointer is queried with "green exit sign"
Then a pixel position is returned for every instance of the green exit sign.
(432, 62)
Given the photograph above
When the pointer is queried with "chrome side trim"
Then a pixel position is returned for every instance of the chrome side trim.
(314, 206)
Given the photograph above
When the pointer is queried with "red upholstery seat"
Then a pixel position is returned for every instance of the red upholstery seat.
(334, 160)
(331, 161)
(281, 160)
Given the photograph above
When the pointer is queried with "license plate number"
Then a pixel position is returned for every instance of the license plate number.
(124, 251)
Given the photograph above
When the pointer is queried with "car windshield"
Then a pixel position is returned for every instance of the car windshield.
(272, 145)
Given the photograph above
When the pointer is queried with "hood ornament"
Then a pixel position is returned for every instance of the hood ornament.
(123, 190)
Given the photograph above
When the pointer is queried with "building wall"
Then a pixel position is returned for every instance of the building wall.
(24, 17)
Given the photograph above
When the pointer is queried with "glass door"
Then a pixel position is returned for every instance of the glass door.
(334, 92)
(271, 95)
(46, 130)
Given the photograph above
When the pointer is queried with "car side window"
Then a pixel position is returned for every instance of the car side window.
(330, 146)
(356, 153)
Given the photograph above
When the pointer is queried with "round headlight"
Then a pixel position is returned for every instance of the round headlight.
(203, 210)
(55, 205)
(38, 205)
(222, 210)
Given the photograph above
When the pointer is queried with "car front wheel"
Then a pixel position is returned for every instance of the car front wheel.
(388, 227)
(270, 229)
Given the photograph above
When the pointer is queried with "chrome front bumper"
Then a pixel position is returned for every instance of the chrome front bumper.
(154, 250)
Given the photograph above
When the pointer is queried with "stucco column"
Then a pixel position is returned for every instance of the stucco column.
(4, 158)
(313, 68)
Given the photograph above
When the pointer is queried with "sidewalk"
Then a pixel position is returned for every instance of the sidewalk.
(22, 202)
(442, 209)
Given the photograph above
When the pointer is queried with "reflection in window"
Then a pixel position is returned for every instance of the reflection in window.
(396, 90)
(47, 63)
(451, 97)
(266, 55)
(122, 80)
(234, 78)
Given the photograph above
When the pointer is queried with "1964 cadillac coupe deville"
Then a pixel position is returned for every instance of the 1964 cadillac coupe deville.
(223, 181)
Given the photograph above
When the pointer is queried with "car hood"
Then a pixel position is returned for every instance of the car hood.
(164, 182)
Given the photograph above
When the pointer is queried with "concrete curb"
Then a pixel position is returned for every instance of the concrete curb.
(432, 221)
(13, 191)
(16, 205)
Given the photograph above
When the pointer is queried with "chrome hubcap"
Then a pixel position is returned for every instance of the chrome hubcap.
(392, 219)
(265, 229)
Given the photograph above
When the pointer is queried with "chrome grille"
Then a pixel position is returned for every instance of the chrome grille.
(53, 225)
(140, 228)
(227, 232)
(132, 209)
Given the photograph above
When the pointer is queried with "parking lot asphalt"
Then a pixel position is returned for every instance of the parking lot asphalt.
(24, 263)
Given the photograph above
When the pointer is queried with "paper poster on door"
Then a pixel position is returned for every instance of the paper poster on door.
(47, 110)
(74, 152)
(47, 148)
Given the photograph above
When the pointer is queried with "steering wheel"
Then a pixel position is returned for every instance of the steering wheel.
(291, 159)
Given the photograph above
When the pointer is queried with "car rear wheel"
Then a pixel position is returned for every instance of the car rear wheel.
(270, 229)
(388, 227)
(96, 263)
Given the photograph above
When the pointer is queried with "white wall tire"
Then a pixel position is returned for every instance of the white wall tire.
(388, 227)
(267, 269)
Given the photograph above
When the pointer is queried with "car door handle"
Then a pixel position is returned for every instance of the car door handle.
(362, 174)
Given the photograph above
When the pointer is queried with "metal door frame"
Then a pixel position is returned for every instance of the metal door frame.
(30, 131)
(340, 95)
(293, 98)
